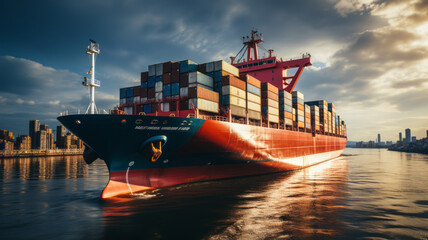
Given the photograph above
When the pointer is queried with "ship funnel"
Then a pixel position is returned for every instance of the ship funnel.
(270, 52)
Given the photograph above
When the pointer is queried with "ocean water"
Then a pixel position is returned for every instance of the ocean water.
(364, 194)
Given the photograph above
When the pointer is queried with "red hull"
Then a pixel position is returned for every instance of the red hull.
(255, 150)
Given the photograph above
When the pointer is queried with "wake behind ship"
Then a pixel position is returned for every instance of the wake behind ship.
(190, 122)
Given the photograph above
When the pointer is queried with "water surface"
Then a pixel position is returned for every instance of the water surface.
(365, 194)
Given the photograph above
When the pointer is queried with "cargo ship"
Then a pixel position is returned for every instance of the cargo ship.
(190, 122)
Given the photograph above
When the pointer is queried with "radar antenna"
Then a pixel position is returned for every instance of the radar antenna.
(93, 48)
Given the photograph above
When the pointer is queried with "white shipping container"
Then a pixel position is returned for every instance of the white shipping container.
(224, 66)
(287, 95)
(158, 96)
(144, 99)
(184, 92)
(273, 118)
(200, 85)
(159, 69)
(300, 112)
(122, 101)
(234, 91)
(237, 101)
(210, 67)
(273, 103)
(288, 121)
(152, 70)
(297, 94)
(254, 106)
(203, 104)
(198, 77)
(128, 110)
(136, 98)
(273, 111)
(158, 87)
(253, 98)
(165, 107)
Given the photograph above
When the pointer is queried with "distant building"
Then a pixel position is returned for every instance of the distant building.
(408, 135)
(400, 137)
(23, 142)
(41, 140)
(427, 133)
(44, 127)
(378, 138)
(413, 139)
(388, 143)
(33, 129)
(6, 135)
(60, 133)
(6, 145)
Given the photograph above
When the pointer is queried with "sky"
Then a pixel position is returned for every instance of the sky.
(369, 57)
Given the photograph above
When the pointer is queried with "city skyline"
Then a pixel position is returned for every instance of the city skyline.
(368, 56)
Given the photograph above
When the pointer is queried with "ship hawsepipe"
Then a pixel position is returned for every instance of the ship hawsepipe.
(193, 149)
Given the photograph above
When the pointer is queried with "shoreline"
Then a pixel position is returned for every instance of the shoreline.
(39, 153)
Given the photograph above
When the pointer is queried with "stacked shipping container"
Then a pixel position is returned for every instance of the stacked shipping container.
(254, 108)
(285, 108)
(216, 86)
(270, 103)
(298, 104)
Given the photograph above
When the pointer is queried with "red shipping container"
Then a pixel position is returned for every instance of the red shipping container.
(143, 92)
(269, 87)
(233, 81)
(251, 80)
(155, 107)
(200, 92)
(136, 91)
(184, 105)
(144, 76)
(166, 78)
(173, 106)
(151, 93)
(167, 67)
(184, 79)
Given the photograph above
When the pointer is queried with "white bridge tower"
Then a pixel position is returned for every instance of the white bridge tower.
(93, 48)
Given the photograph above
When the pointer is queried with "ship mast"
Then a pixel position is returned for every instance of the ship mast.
(92, 49)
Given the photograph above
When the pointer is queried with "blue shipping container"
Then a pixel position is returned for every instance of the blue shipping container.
(167, 90)
(130, 92)
(285, 108)
(129, 100)
(122, 93)
(175, 89)
(159, 78)
(147, 108)
(253, 89)
(144, 85)
(188, 66)
(152, 81)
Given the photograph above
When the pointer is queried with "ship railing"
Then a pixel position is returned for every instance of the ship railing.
(215, 118)
(78, 112)
(304, 55)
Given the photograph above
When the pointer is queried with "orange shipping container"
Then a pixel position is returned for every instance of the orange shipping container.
(233, 81)
(269, 87)
(251, 80)
(200, 92)
(269, 94)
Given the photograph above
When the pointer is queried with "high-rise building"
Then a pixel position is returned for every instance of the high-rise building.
(413, 139)
(408, 135)
(41, 140)
(400, 137)
(34, 128)
(60, 133)
(44, 127)
(427, 133)
(378, 138)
